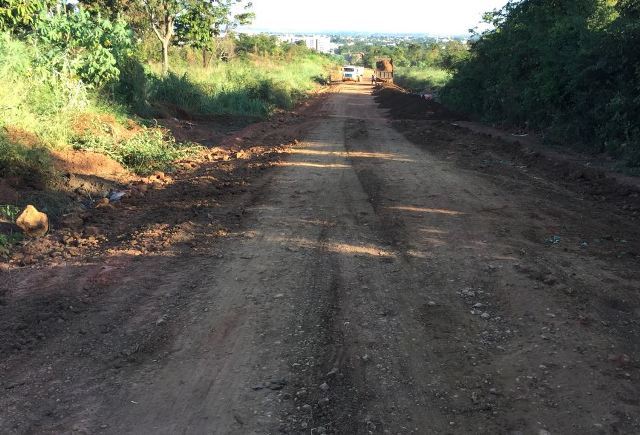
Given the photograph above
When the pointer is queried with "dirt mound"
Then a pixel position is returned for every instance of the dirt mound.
(384, 65)
(90, 124)
(89, 163)
(208, 132)
(17, 135)
(403, 105)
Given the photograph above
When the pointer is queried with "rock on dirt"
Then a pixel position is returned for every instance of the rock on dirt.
(32, 222)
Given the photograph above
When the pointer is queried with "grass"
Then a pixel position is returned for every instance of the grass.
(31, 164)
(9, 213)
(422, 79)
(254, 86)
(145, 151)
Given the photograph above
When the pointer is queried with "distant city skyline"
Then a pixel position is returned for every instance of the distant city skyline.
(434, 17)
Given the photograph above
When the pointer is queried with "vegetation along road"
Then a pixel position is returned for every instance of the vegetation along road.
(376, 274)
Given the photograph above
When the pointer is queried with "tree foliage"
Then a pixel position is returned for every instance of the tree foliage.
(20, 16)
(203, 22)
(89, 47)
(432, 53)
(195, 22)
(569, 68)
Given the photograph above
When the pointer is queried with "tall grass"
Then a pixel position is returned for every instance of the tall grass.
(34, 99)
(422, 79)
(253, 86)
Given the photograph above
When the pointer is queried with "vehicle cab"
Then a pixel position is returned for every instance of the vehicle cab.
(351, 73)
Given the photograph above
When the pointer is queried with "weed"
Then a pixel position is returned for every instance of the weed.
(9, 212)
(148, 150)
(255, 86)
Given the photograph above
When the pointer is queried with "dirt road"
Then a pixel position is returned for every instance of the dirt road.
(363, 283)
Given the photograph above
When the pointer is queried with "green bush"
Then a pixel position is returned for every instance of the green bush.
(87, 46)
(419, 79)
(567, 69)
(133, 87)
(20, 16)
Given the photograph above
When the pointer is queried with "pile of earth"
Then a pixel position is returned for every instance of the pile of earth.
(403, 105)
(384, 65)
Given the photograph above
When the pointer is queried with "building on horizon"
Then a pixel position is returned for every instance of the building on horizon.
(321, 44)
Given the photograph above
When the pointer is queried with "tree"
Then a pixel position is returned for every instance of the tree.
(161, 15)
(200, 21)
(261, 44)
(205, 21)
(567, 68)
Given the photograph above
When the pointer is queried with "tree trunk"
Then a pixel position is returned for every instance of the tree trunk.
(165, 56)
(204, 58)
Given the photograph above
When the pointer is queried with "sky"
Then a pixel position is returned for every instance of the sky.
(434, 17)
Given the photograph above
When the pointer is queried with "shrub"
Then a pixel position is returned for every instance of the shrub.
(419, 79)
(87, 46)
(133, 87)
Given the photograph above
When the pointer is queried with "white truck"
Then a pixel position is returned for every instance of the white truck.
(352, 73)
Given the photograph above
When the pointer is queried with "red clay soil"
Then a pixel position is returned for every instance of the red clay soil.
(21, 137)
(90, 163)
(206, 131)
(91, 226)
(422, 120)
(384, 65)
(72, 273)
(403, 105)
(364, 283)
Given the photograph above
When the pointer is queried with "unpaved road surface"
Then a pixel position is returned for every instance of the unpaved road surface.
(362, 283)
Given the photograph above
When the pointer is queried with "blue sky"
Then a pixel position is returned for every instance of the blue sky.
(439, 17)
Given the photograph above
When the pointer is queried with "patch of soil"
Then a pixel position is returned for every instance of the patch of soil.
(75, 283)
(90, 163)
(89, 124)
(22, 137)
(403, 105)
(444, 133)
(208, 132)
(86, 226)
